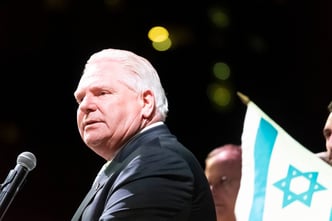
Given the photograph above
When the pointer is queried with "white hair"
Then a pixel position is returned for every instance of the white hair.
(147, 76)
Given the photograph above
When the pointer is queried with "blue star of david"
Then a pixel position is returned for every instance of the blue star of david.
(304, 197)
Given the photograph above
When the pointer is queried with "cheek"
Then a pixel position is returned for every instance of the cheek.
(219, 195)
(79, 117)
(329, 139)
(219, 192)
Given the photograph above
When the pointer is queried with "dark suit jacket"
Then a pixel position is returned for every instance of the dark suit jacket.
(153, 178)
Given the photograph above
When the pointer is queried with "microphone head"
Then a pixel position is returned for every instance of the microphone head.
(28, 160)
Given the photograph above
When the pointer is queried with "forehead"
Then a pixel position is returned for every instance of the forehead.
(229, 158)
(102, 72)
(222, 160)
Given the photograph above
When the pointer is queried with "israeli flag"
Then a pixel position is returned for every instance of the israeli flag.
(281, 179)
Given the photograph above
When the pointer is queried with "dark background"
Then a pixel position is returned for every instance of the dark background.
(279, 52)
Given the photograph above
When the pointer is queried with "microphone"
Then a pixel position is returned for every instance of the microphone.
(26, 162)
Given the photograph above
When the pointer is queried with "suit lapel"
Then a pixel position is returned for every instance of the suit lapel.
(130, 150)
(98, 184)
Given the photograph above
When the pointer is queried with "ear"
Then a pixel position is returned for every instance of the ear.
(148, 104)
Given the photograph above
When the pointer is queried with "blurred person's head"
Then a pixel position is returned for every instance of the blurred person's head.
(223, 170)
(327, 132)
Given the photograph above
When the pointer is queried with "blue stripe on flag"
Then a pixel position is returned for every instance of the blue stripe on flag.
(265, 139)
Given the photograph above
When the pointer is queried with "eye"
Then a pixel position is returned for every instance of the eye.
(327, 133)
(102, 92)
(79, 99)
(223, 180)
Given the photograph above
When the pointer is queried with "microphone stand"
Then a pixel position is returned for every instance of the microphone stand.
(8, 192)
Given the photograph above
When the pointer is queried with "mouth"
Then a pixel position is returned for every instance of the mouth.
(89, 123)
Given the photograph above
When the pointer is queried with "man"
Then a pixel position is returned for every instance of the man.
(149, 174)
(223, 171)
(327, 132)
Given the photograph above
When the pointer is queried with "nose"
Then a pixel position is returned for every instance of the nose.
(88, 104)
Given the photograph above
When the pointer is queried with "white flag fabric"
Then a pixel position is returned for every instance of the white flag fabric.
(281, 180)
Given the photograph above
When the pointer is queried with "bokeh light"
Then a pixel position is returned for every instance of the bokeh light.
(221, 70)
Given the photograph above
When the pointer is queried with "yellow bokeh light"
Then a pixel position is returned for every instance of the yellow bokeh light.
(221, 70)
(220, 96)
(158, 34)
(162, 46)
(219, 17)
